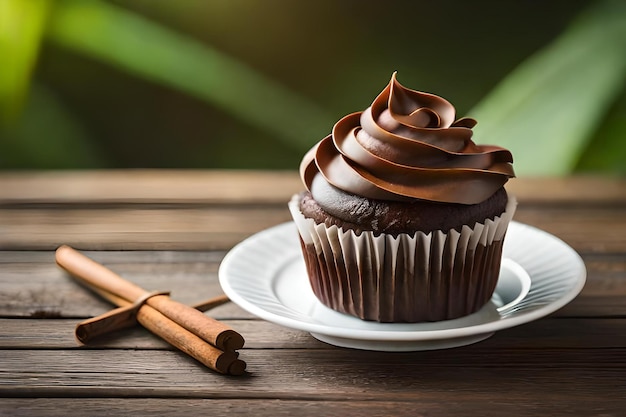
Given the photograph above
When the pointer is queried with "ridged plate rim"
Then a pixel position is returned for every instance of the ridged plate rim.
(248, 270)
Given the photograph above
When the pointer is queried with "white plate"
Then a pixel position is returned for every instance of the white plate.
(265, 275)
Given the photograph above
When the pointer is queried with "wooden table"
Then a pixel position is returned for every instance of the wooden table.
(171, 229)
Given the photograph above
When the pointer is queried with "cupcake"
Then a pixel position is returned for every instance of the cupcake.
(404, 217)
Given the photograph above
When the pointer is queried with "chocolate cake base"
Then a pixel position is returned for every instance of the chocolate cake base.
(393, 217)
(400, 277)
(407, 295)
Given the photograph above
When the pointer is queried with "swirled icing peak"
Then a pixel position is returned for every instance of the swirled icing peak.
(407, 145)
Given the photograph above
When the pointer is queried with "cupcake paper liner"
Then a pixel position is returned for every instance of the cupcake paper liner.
(405, 278)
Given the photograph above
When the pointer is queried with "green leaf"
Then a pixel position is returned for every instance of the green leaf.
(136, 45)
(47, 136)
(607, 152)
(21, 27)
(547, 109)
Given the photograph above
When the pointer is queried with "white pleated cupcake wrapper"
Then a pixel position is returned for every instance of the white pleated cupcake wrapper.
(420, 277)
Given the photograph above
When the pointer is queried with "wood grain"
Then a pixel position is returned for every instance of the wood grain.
(552, 332)
(135, 228)
(322, 374)
(220, 228)
(141, 186)
(42, 289)
(422, 405)
(169, 230)
(193, 186)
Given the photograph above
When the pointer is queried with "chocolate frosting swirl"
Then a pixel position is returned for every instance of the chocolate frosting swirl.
(407, 145)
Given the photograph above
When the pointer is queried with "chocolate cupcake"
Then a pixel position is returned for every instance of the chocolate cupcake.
(404, 216)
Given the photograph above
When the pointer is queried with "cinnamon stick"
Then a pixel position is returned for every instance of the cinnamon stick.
(125, 316)
(211, 303)
(205, 305)
(209, 355)
(182, 326)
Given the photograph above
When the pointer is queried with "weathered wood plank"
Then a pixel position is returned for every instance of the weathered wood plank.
(552, 333)
(195, 186)
(134, 228)
(45, 290)
(42, 210)
(573, 362)
(59, 334)
(118, 257)
(587, 229)
(421, 405)
(148, 186)
(40, 288)
(338, 374)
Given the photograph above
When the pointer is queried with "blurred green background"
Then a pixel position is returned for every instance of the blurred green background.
(254, 84)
